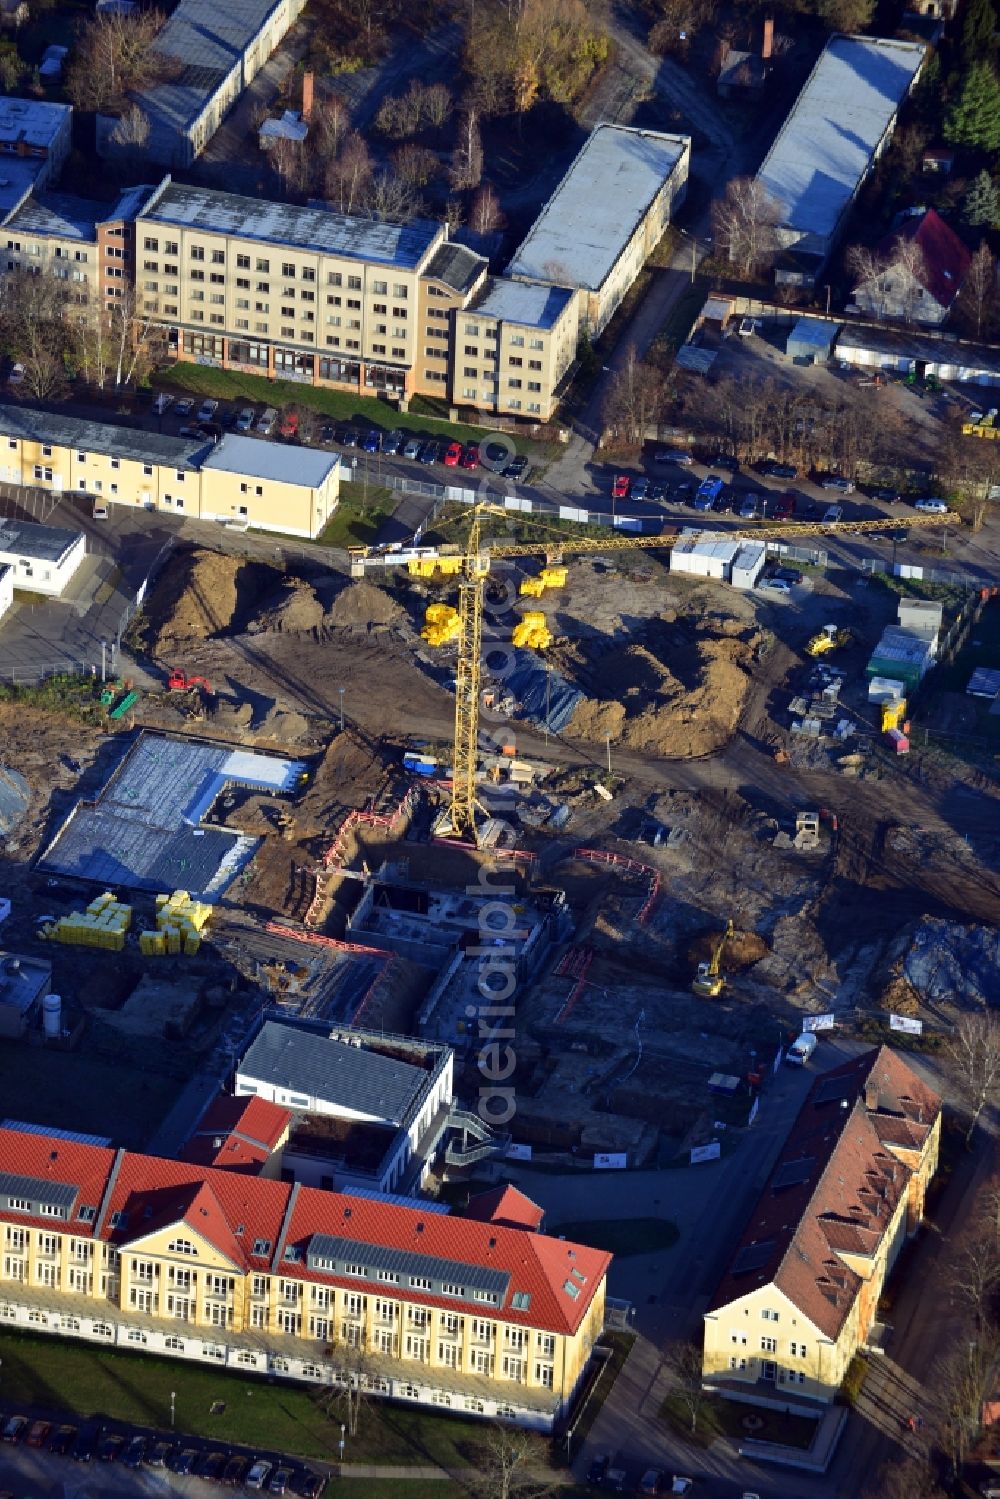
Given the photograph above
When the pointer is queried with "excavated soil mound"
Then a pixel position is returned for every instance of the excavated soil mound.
(292, 607)
(678, 693)
(363, 603)
(743, 950)
(200, 594)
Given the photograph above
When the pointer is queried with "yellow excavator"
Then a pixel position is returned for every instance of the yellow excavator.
(708, 981)
(830, 638)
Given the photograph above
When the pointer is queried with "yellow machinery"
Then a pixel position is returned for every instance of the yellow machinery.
(472, 566)
(894, 715)
(532, 631)
(829, 639)
(708, 981)
(549, 577)
(441, 624)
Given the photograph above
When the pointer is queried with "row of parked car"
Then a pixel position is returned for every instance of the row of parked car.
(233, 1470)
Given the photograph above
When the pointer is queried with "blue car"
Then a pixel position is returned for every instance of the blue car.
(372, 440)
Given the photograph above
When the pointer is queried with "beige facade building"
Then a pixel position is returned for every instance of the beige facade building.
(239, 480)
(606, 217)
(513, 346)
(232, 1269)
(801, 1292)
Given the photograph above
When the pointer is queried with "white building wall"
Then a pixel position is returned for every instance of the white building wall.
(36, 576)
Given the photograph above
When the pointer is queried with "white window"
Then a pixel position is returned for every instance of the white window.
(768, 1315)
(739, 1338)
(737, 1363)
(385, 1341)
(513, 1368)
(258, 1316)
(319, 1327)
(449, 1354)
(798, 1350)
(482, 1361)
(769, 1345)
(545, 1375)
(181, 1246)
(289, 1322)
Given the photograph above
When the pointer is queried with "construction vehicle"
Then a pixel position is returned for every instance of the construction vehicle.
(471, 566)
(894, 716)
(178, 682)
(829, 638)
(708, 981)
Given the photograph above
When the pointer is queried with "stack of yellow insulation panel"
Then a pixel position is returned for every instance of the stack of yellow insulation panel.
(103, 924)
(179, 924)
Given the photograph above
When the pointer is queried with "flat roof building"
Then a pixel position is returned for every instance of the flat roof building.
(43, 558)
(841, 122)
(606, 216)
(35, 138)
(213, 51)
(525, 336)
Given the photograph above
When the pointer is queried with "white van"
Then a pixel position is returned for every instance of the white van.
(801, 1049)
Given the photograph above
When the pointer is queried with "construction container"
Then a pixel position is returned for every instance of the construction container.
(704, 557)
(421, 765)
(885, 690)
(898, 742)
(748, 564)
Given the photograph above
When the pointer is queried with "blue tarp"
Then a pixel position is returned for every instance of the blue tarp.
(533, 687)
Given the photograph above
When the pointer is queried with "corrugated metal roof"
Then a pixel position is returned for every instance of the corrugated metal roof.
(363, 1081)
(37, 1190)
(62, 430)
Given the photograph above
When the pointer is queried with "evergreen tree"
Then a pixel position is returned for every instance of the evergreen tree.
(981, 204)
(973, 119)
(977, 31)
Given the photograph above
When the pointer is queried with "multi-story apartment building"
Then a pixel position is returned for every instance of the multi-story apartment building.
(513, 346)
(86, 244)
(801, 1291)
(237, 480)
(237, 1270)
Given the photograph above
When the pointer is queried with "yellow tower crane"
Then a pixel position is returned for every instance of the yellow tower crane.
(471, 565)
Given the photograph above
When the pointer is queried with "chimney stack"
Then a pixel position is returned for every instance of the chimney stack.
(767, 46)
(308, 82)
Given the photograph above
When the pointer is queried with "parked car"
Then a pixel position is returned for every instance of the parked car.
(235, 1472)
(62, 1440)
(159, 1455)
(309, 1485)
(210, 1466)
(788, 575)
(784, 507)
(517, 468)
(651, 1482)
(392, 442)
(887, 496)
(245, 419)
(779, 470)
(658, 493)
(227, 417)
(110, 1448)
(289, 425)
(931, 506)
(280, 1479)
(749, 508)
(347, 437)
(801, 1049)
(411, 448)
(453, 455)
(182, 1461)
(161, 403)
(16, 375)
(327, 433)
(85, 1445)
(259, 1473)
(723, 502)
(674, 455)
(372, 440)
(38, 1433)
(837, 482)
(15, 1429)
(430, 452)
(266, 421)
(775, 585)
(622, 487)
(184, 406)
(640, 489)
(725, 461)
(470, 456)
(135, 1452)
(598, 1468)
(206, 410)
(832, 514)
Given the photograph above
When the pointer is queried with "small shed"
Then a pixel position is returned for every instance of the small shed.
(984, 682)
(51, 66)
(748, 565)
(291, 127)
(811, 341)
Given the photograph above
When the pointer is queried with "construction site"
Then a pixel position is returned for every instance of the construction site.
(690, 875)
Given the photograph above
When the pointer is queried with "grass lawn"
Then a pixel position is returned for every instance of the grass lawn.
(621, 1235)
(359, 515)
(341, 405)
(63, 1375)
(730, 1418)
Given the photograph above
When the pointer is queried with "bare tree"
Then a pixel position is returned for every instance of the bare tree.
(116, 54)
(485, 213)
(390, 199)
(437, 104)
(905, 1478)
(513, 1461)
(467, 157)
(415, 164)
(348, 175)
(867, 267)
(975, 1048)
(746, 224)
(975, 303)
(634, 400)
(292, 163)
(910, 267)
(32, 313)
(960, 1382)
(328, 126)
(683, 1363)
(132, 129)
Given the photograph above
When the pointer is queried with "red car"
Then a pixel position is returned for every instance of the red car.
(289, 424)
(453, 455)
(622, 487)
(470, 458)
(39, 1434)
(784, 507)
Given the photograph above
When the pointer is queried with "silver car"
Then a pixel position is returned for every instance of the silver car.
(245, 419)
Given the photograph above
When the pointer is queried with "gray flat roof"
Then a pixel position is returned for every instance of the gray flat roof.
(33, 121)
(526, 302)
(18, 174)
(25, 538)
(352, 1076)
(583, 228)
(827, 142)
(284, 224)
(60, 215)
(208, 38)
(60, 429)
(289, 464)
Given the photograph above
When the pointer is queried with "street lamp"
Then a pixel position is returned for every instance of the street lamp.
(341, 691)
(607, 739)
(173, 1397)
(343, 1431)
